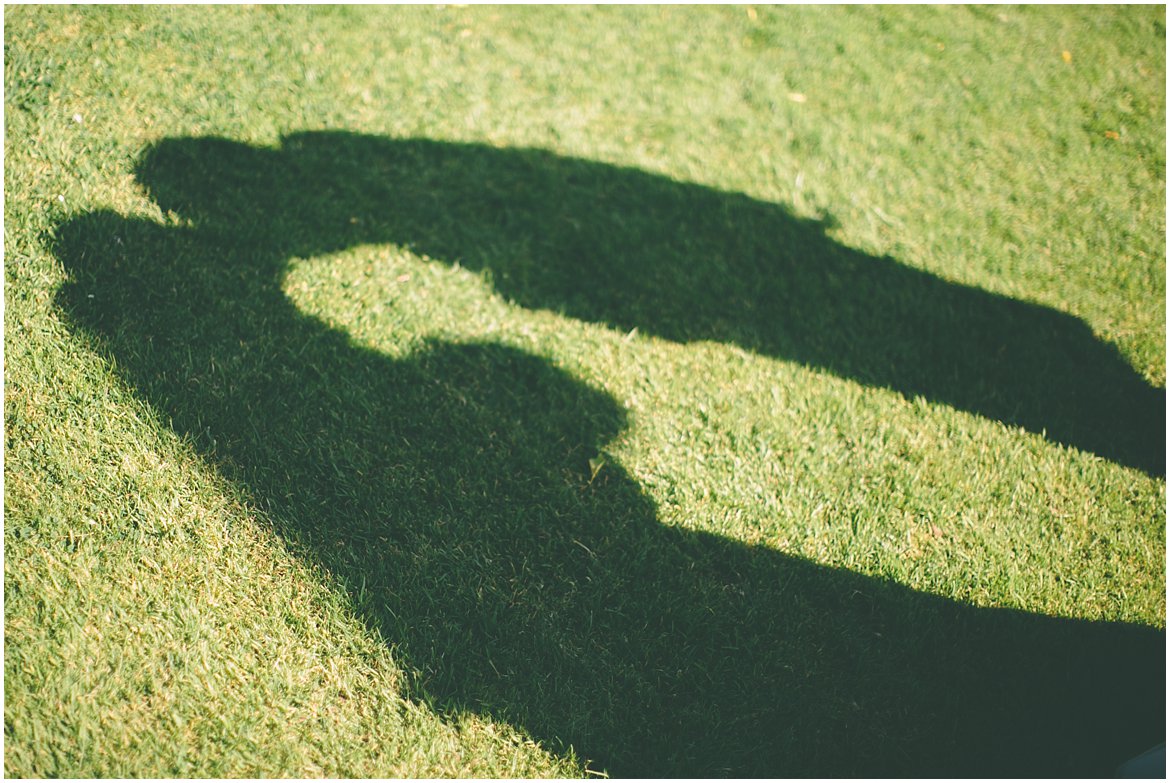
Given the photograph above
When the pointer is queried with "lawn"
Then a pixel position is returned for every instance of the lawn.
(551, 392)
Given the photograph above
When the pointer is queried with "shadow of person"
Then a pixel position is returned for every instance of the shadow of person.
(630, 249)
(450, 490)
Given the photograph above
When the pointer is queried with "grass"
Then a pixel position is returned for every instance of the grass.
(553, 391)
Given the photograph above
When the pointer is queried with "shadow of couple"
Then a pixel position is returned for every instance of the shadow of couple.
(451, 488)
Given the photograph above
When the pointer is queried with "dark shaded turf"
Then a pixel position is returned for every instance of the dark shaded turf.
(451, 491)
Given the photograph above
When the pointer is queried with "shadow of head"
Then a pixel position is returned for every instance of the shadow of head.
(171, 290)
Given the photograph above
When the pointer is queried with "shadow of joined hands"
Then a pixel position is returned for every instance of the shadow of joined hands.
(452, 490)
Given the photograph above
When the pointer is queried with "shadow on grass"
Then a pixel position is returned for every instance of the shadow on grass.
(451, 492)
(630, 249)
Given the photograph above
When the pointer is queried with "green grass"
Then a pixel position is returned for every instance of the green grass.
(557, 391)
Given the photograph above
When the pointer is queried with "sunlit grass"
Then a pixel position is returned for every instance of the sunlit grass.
(200, 580)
